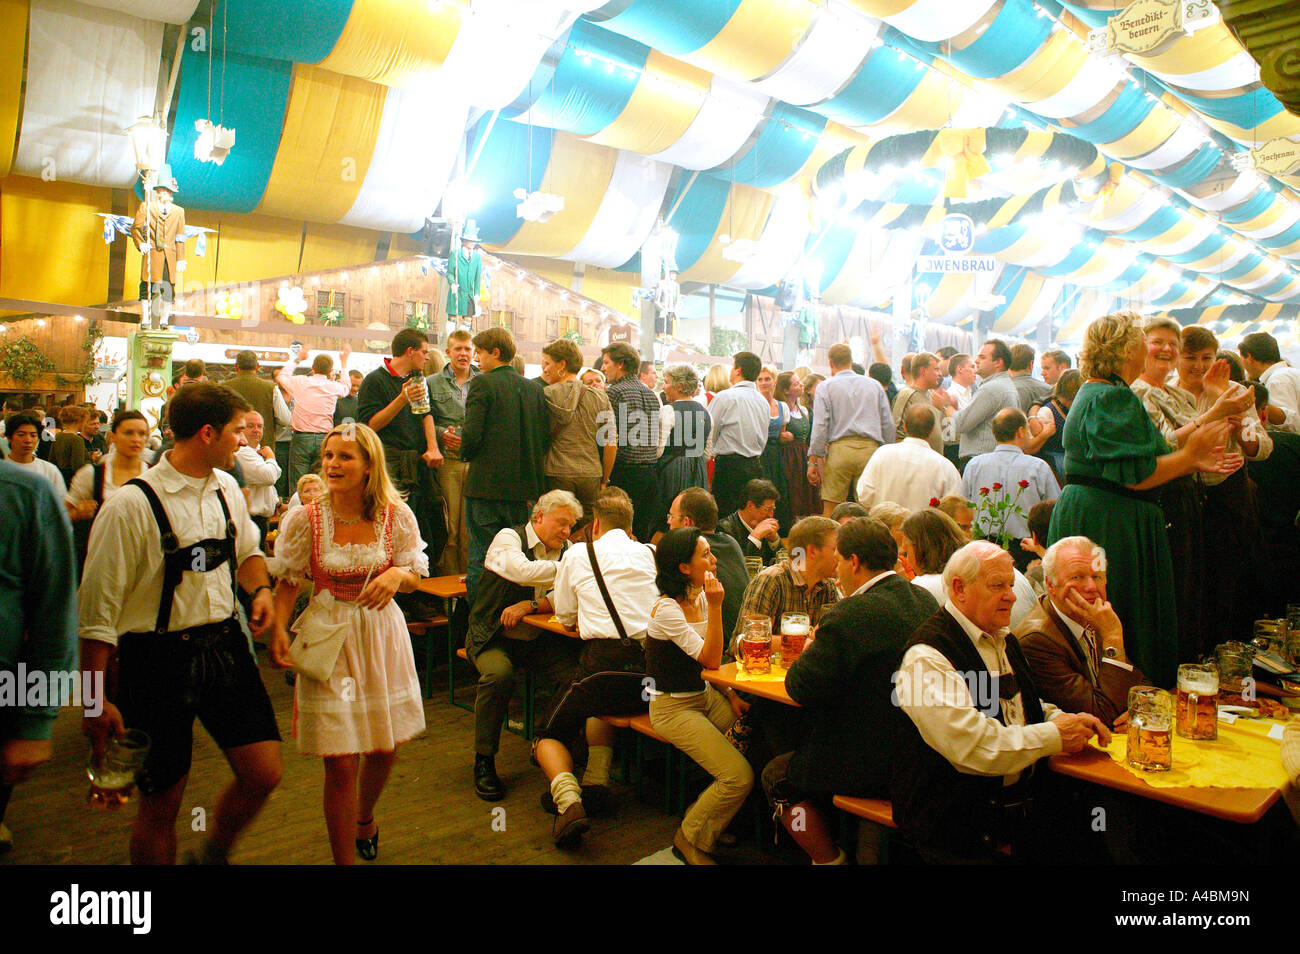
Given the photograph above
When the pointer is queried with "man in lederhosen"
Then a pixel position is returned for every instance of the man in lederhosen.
(159, 234)
(166, 556)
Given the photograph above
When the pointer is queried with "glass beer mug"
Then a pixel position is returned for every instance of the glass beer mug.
(794, 633)
(756, 645)
(1150, 729)
(112, 778)
(1198, 701)
(1235, 664)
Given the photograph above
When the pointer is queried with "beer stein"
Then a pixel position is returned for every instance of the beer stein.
(756, 645)
(794, 634)
(1235, 662)
(1270, 635)
(1150, 729)
(753, 564)
(1198, 701)
(112, 778)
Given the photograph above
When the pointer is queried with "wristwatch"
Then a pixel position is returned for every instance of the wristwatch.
(533, 604)
(1110, 652)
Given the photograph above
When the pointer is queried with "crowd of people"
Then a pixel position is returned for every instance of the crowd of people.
(1058, 538)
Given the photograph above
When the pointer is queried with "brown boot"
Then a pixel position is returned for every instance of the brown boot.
(570, 827)
(688, 853)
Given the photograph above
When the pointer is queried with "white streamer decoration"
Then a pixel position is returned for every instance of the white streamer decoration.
(723, 124)
(168, 11)
(779, 244)
(500, 43)
(90, 74)
(1185, 140)
(828, 57)
(419, 137)
(933, 20)
(1238, 71)
(626, 214)
(1090, 86)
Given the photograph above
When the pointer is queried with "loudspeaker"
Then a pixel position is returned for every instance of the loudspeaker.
(435, 238)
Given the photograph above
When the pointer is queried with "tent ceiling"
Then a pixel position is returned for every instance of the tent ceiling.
(731, 117)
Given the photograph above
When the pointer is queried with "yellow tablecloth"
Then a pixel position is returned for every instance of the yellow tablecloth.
(1241, 757)
(777, 674)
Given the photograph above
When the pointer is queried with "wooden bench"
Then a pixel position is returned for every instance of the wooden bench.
(674, 763)
(878, 810)
(424, 628)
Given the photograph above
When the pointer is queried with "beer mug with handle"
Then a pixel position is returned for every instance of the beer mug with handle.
(1150, 729)
(1198, 701)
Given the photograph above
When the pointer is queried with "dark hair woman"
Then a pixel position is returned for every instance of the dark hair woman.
(683, 638)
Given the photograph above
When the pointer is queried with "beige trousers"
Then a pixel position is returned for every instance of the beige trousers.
(455, 555)
(695, 725)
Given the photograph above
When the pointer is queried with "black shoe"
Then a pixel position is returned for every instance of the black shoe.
(597, 801)
(368, 848)
(486, 784)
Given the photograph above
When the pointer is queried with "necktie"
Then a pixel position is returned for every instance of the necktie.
(1094, 659)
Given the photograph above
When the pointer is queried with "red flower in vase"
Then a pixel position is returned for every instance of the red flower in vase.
(997, 486)
(934, 501)
(984, 491)
(1024, 484)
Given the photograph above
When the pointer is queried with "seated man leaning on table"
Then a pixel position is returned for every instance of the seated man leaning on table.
(803, 582)
(964, 779)
(754, 525)
(843, 680)
(518, 573)
(610, 675)
(1073, 641)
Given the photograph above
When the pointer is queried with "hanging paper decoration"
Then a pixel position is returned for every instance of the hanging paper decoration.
(115, 225)
(292, 303)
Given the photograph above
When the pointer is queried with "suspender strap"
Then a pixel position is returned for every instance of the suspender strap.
(176, 561)
(604, 594)
(98, 471)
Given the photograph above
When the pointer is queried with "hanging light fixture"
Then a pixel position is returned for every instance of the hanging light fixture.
(148, 142)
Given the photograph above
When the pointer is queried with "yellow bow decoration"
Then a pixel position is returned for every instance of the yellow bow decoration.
(1114, 173)
(964, 148)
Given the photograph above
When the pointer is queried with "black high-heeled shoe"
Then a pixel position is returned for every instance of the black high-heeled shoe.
(368, 848)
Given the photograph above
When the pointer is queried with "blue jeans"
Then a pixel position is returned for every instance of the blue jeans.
(304, 455)
(485, 517)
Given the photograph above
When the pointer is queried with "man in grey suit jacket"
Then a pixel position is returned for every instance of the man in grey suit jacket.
(974, 423)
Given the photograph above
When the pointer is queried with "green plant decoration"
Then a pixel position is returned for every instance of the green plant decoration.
(23, 360)
(331, 316)
(993, 508)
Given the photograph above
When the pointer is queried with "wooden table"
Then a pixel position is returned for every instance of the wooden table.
(726, 676)
(1243, 805)
(448, 587)
(549, 623)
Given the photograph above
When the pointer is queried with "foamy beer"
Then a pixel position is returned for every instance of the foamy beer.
(1150, 729)
(112, 778)
(794, 633)
(1198, 701)
(756, 645)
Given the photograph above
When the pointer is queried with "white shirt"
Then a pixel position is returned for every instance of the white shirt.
(1283, 384)
(260, 476)
(43, 468)
(668, 622)
(506, 558)
(740, 415)
(628, 568)
(122, 583)
(939, 703)
(872, 582)
(908, 473)
(83, 481)
(963, 395)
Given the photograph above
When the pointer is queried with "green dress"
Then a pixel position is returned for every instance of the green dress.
(1109, 438)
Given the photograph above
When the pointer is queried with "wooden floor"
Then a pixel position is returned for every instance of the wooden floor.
(429, 813)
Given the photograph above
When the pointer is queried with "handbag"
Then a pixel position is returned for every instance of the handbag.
(319, 640)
